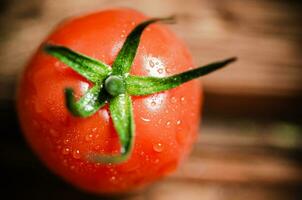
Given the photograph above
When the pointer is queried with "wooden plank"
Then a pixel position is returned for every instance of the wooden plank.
(265, 35)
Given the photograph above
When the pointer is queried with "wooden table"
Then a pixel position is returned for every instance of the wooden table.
(235, 158)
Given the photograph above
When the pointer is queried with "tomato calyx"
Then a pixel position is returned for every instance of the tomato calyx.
(115, 86)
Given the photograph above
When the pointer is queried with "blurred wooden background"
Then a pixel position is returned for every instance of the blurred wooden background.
(250, 147)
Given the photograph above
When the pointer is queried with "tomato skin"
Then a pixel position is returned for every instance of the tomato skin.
(166, 123)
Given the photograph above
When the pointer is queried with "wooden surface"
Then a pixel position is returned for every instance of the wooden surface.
(233, 160)
(247, 157)
(264, 34)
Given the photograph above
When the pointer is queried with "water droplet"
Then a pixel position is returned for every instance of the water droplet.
(167, 70)
(76, 154)
(145, 119)
(88, 137)
(153, 103)
(57, 64)
(113, 178)
(158, 147)
(173, 100)
(122, 35)
(97, 147)
(66, 141)
(182, 98)
(178, 122)
(66, 151)
(151, 63)
(156, 161)
(132, 23)
(123, 31)
(168, 123)
(160, 70)
(94, 129)
(72, 167)
(148, 29)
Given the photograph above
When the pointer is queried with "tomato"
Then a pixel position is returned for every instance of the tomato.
(166, 122)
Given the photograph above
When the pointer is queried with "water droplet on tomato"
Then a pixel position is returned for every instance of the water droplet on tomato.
(178, 122)
(153, 103)
(156, 161)
(173, 100)
(182, 99)
(154, 66)
(145, 119)
(66, 151)
(151, 63)
(113, 178)
(158, 147)
(76, 154)
(88, 137)
(66, 141)
(132, 23)
(122, 35)
(168, 123)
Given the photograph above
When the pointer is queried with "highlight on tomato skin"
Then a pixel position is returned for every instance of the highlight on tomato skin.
(86, 108)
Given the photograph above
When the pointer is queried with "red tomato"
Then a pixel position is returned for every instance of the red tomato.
(166, 123)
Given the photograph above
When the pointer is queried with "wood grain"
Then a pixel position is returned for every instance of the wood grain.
(235, 158)
(265, 35)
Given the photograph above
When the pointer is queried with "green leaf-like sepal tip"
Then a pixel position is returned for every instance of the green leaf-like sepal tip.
(114, 86)
(93, 70)
(137, 85)
(122, 117)
(90, 103)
